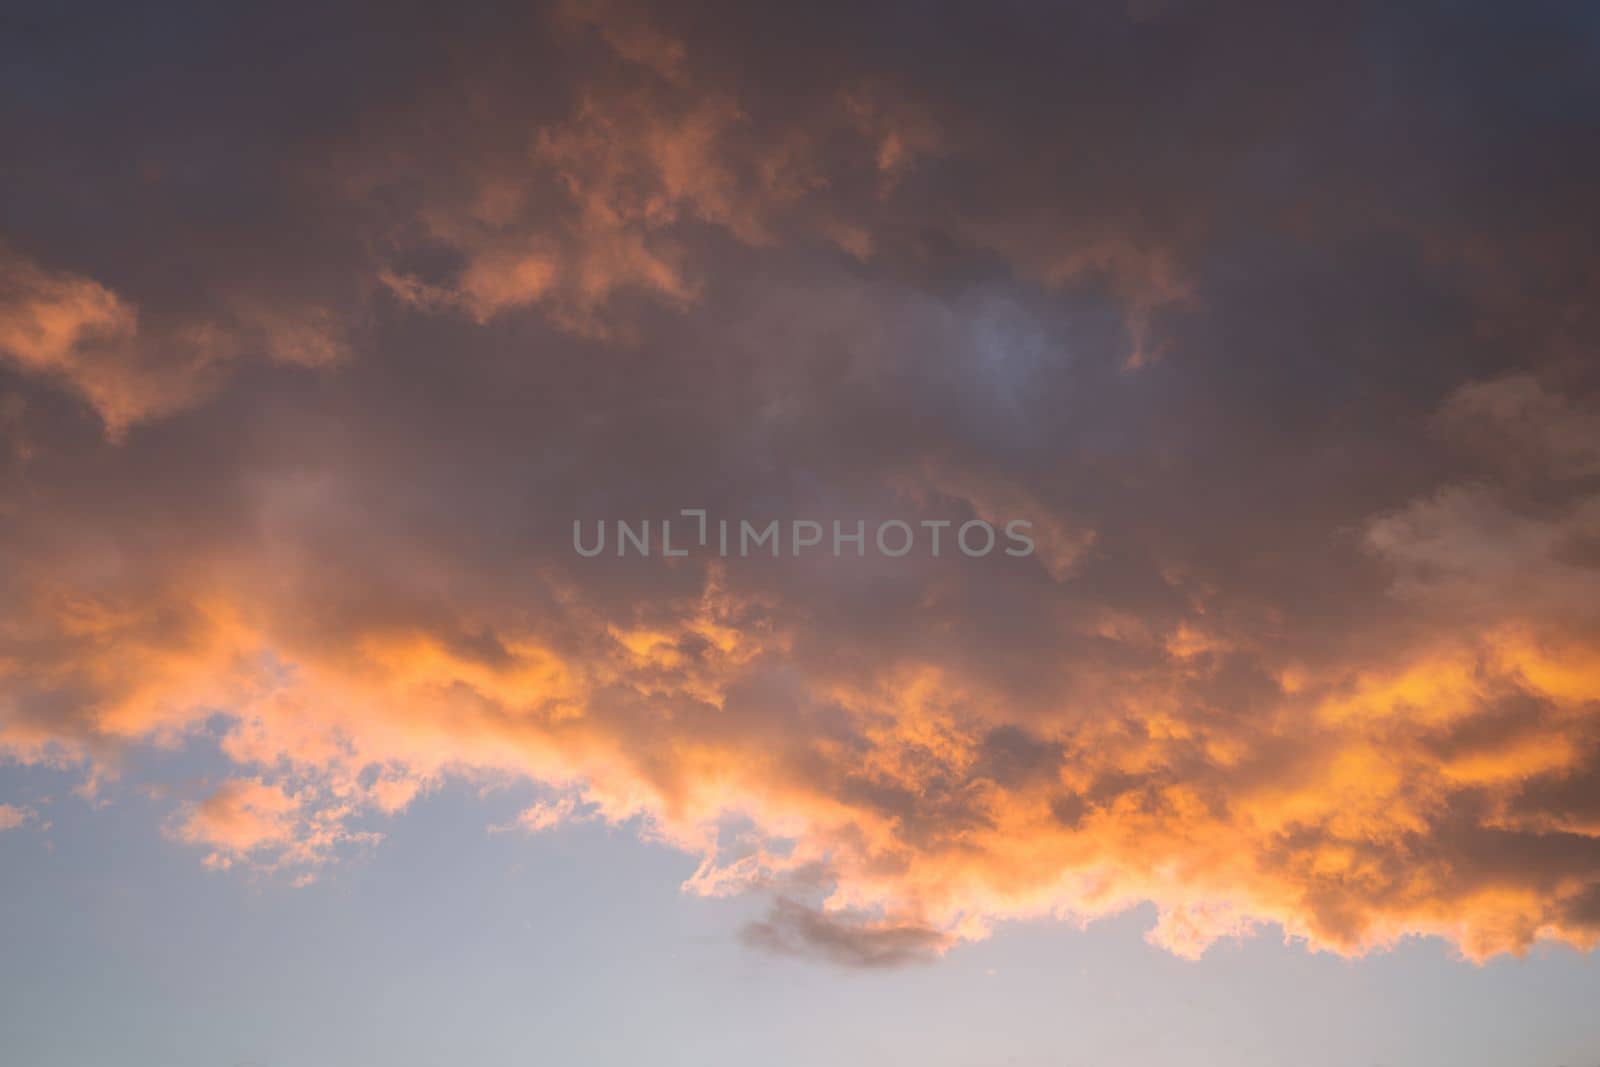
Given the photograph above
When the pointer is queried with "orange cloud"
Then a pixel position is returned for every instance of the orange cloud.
(80, 333)
(129, 369)
(248, 819)
(12, 816)
(1367, 806)
(612, 199)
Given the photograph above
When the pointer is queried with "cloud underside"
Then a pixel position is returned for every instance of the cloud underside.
(1310, 638)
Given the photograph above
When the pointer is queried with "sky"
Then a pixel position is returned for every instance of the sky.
(332, 335)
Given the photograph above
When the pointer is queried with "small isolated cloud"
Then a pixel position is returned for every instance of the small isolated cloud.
(845, 938)
(264, 825)
(12, 816)
(539, 817)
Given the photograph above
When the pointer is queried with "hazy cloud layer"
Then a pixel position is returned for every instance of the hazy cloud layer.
(318, 332)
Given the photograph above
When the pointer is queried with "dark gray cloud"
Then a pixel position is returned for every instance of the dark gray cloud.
(793, 929)
(320, 328)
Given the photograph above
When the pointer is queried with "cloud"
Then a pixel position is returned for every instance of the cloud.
(1519, 419)
(11, 816)
(253, 821)
(74, 330)
(239, 817)
(537, 818)
(129, 369)
(792, 929)
(617, 196)
(1308, 639)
